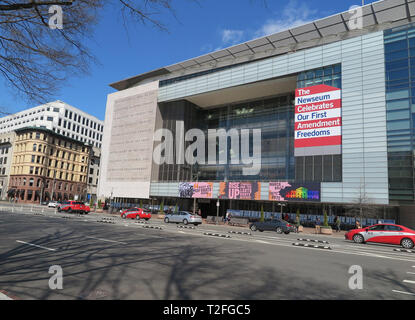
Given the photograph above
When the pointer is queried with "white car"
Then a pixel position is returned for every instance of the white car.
(53, 204)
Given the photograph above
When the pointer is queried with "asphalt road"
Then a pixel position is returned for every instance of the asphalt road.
(126, 260)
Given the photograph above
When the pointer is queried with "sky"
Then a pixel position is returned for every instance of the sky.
(197, 28)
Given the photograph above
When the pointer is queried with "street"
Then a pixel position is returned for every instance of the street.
(109, 258)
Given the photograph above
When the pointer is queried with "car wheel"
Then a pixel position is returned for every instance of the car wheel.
(185, 221)
(124, 216)
(358, 238)
(137, 217)
(166, 220)
(407, 243)
(146, 219)
(279, 230)
(254, 228)
(287, 232)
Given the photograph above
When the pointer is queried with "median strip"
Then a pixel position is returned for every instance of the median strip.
(404, 250)
(151, 227)
(313, 240)
(240, 232)
(310, 246)
(216, 235)
(186, 227)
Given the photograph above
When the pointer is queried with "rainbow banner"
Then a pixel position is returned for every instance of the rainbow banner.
(285, 191)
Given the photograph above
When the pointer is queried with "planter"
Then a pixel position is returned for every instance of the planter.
(324, 230)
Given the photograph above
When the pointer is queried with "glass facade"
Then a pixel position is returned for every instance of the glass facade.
(274, 116)
(327, 168)
(400, 110)
(329, 75)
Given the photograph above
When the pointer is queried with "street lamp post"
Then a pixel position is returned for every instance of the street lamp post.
(217, 211)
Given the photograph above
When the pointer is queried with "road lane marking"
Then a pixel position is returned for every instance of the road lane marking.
(35, 245)
(107, 240)
(260, 241)
(409, 281)
(403, 292)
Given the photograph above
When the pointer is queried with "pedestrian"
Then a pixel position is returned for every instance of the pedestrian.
(358, 224)
(200, 212)
(318, 224)
(337, 223)
(297, 223)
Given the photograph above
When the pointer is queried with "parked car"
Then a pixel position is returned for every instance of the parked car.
(44, 203)
(136, 213)
(383, 233)
(278, 225)
(53, 204)
(74, 206)
(183, 217)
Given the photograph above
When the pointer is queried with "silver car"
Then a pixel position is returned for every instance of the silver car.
(183, 217)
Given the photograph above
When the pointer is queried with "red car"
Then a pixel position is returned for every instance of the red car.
(384, 233)
(136, 213)
(74, 206)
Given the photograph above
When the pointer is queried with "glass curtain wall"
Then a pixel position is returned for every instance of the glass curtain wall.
(400, 110)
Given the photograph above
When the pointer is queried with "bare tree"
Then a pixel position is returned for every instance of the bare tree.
(362, 206)
(36, 60)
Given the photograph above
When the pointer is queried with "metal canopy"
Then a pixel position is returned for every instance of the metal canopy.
(373, 14)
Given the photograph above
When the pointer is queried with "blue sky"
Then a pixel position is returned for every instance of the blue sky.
(199, 27)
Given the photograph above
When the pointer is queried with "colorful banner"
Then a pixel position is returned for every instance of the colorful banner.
(284, 191)
(240, 190)
(318, 121)
(196, 190)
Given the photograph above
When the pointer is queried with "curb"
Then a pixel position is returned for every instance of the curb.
(216, 235)
(151, 227)
(297, 244)
(404, 250)
(185, 227)
(313, 240)
(141, 222)
(106, 221)
(240, 232)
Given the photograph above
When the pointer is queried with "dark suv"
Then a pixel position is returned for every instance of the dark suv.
(277, 225)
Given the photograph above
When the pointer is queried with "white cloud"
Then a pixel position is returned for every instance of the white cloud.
(231, 37)
(294, 14)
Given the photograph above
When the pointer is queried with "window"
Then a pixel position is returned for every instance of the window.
(380, 227)
(49, 118)
(55, 109)
(392, 228)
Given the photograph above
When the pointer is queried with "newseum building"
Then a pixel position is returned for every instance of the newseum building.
(318, 117)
